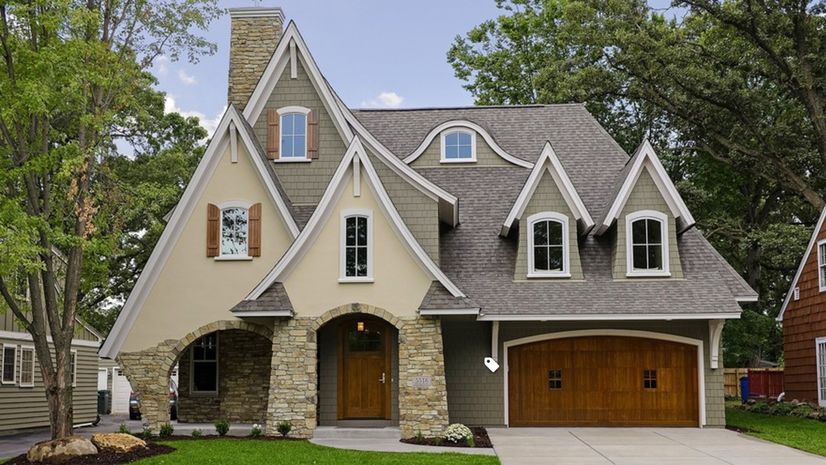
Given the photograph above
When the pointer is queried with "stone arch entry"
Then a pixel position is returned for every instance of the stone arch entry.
(149, 370)
(349, 387)
(357, 308)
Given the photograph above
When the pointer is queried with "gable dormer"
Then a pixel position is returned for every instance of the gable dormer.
(551, 219)
(647, 214)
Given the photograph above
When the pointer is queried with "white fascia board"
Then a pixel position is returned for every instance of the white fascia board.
(182, 212)
(802, 264)
(276, 67)
(613, 317)
(447, 311)
(418, 181)
(646, 158)
(548, 160)
(322, 214)
(467, 125)
(254, 313)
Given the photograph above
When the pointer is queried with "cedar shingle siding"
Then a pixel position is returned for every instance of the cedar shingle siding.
(803, 322)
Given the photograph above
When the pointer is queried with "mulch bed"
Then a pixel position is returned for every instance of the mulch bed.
(181, 437)
(104, 457)
(480, 438)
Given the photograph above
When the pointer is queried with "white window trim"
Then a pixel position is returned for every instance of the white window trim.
(818, 342)
(217, 368)
(284, 111)
(472, 135)
(629, 244)
(566, 256)
(34, 365)
(245, 204)
(74, 367)
(820, 281)
(347, 213)
(14, 365)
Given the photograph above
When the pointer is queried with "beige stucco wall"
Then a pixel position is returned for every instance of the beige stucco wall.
(646, 196)
(400, 283)
(547, 198)
(485, 156)
(192, 289)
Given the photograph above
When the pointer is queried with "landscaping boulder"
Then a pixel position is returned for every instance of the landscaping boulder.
(117, 442)
(60, 450)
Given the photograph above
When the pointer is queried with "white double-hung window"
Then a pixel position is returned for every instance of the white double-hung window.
(820, 359)
(821, 265)
(356, 246)
(548, 245)
(647, 244)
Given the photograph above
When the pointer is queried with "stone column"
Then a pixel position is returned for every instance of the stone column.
(422, 388)
(293, 377)
(148, 373)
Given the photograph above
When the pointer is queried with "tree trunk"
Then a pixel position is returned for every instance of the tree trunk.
(61, 410)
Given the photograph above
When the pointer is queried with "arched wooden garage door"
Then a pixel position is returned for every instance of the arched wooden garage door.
(603, 381)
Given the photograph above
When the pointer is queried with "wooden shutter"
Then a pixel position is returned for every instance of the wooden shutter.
(273, 135)
(254, 231)
(312, 135)
(213, 230)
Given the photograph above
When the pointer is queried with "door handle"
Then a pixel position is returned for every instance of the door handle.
(382, 380)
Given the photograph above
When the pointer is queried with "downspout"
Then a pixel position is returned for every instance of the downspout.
(494, 341)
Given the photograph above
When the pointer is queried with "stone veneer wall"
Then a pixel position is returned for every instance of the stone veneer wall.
(252, 42)
(243, 381)
(292, 388)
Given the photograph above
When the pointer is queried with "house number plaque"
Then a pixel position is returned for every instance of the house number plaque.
(422, 382)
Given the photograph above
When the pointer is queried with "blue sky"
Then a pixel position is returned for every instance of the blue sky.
(374, 53)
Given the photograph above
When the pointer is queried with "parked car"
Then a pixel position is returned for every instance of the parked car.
(135, 403)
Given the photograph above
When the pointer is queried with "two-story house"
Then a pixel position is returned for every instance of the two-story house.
(803, 315)
(332, 266)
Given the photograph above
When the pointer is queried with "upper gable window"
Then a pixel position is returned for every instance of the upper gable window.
(293, 131)
(458, 146)
(548, 254)
(821, 264)
(647, 244)
(356, 246)
(234, 231)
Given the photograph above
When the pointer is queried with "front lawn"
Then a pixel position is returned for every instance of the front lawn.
(241, 452)
(800, 433)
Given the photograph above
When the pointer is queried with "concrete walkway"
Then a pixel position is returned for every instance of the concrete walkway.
(379, 440)
(640, 446)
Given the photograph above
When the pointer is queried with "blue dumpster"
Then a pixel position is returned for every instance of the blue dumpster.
(744, 389)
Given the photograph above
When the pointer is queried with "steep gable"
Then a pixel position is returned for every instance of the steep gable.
(806, 279)
(180, 287)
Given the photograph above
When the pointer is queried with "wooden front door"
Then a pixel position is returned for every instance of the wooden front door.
(364, 369)
(603, 381)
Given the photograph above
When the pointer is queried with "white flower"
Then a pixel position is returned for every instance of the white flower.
(457, 432)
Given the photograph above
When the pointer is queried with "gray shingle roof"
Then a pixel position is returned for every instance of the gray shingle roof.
(274, 299)
(439, 298)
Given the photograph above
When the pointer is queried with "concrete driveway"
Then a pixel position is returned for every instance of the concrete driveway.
(640, 446)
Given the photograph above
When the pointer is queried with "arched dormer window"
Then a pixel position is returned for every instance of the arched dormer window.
(548, 254)
(458, 145)
(293, 133)
(647, 244)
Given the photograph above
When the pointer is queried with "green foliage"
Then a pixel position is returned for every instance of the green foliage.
(256, 431)
(123, 429)
(166, 430)
(197, 433)
(794, 432)
(147, 432)
(220, 451)
(222, 427)
(284, 427)
(721, 93)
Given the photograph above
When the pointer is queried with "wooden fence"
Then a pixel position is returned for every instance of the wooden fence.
(765, 382)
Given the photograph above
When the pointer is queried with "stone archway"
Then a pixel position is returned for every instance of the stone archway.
(347, 309)
(149, 370)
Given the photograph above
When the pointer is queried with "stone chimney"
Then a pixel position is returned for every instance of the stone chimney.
(254, 34)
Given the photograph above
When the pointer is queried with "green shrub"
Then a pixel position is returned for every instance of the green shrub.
(284, 428)
(761, 407)
(781, 409)
(147, 432)
(123, 429)
(802, 411)
(197, 433)
(222, 427)
(166, 430)
(256, 431)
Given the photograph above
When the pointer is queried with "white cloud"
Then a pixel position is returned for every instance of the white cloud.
(384, 100)
(210, 124)
(162, 65)
(186, 78)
